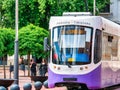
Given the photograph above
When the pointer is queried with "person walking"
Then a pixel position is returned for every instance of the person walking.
(22, 65)
(33, 67)
(43, 68)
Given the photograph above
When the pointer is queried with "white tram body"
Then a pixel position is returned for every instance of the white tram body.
(110, 53)
(84, 49)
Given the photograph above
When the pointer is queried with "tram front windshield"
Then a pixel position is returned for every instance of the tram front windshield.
(71, 44)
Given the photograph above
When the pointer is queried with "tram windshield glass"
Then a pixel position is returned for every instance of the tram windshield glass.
(71, 44)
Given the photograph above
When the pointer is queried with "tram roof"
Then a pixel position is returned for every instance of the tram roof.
(77, 14)
(72, 20)
(110, 27)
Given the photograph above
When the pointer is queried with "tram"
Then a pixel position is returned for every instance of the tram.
(84, 51)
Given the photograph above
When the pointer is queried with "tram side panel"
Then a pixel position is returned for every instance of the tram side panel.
(110, 60)
(110, 73)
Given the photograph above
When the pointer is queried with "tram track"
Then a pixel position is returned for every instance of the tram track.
(115, 87)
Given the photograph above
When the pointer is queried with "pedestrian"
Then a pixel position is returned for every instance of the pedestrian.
(43, 68)
(22, 65)
(33, 67)
(21, 60)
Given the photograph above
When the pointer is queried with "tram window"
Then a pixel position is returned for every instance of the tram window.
(68, 50)
(71, 43)
(110, 38)
(97, 46)
(110, 47)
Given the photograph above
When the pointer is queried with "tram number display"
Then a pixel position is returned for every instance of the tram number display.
(73, 32)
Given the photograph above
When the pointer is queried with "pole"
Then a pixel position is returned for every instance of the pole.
(94, 7)
(86, 5)
(16, 68)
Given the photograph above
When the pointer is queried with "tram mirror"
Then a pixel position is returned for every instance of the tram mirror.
(46, 46)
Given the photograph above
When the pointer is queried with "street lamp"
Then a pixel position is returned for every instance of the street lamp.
(16, 68)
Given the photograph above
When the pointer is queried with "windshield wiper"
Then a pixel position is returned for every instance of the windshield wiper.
(68, 64)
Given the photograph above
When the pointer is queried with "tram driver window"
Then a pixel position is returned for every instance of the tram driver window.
(97, 47)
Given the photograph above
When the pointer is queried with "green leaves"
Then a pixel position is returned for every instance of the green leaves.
(39, 11)
(6, 41)
(31, 40)
(42, 6)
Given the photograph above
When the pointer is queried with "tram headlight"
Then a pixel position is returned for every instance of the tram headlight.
(54, 67)
(58, 68)
(86, 67)
(81, 68)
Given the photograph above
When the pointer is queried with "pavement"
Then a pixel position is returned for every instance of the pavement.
(23, 79)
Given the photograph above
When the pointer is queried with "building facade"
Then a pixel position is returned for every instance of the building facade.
(112, 11)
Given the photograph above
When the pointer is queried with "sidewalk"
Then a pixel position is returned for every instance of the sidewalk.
(23, 79)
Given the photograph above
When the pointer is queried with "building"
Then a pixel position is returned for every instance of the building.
(111, 11)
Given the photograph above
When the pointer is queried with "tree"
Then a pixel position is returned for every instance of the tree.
(1, 13)
(1, 44)
(31, 41)
(39, 11)
(8, 13)
(6, 44)
(7, 41)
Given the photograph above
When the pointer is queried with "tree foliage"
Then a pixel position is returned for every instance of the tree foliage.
(31, 40)
(6, 41)
(39, 11)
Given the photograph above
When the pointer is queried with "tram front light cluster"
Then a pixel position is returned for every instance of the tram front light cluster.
(58, 68)
(55, 67)
(82, 68)
(86, 67)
